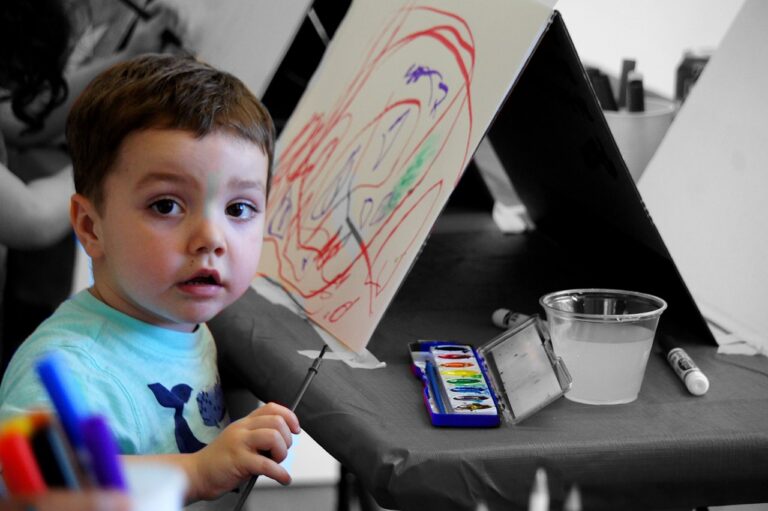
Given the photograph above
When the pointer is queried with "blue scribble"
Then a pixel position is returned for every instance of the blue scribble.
(330, 197)
(383, 210)
(366, 209)
(391, 134)
(281, 217)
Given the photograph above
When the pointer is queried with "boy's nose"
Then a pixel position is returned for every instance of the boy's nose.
(207, 238)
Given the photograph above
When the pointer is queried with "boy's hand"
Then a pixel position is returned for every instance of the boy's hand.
(253, 445)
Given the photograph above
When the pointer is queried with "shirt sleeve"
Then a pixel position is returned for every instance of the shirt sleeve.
(22, 390)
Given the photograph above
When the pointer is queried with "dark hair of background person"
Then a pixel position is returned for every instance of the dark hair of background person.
(34, 45)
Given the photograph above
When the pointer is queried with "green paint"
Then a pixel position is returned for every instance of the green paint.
(466, 381)
(211, 189)
(425, 155)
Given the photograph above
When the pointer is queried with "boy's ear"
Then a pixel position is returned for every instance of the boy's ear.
(86, 222)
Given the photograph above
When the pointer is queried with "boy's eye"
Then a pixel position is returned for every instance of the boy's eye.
(166, 207)
(241, 210)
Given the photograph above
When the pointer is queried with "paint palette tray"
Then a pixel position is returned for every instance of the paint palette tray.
(512, 376)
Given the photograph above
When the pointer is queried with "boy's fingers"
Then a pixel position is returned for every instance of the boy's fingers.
(268, 468)
(268, 441)
(285, 413)
(270, 422)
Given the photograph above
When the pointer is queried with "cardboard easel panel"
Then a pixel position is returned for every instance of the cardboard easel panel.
(561, 158)
(707, 183)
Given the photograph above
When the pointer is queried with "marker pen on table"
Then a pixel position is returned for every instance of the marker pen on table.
(507, 319)
(689, 373)
(539, 499)
(573, 500)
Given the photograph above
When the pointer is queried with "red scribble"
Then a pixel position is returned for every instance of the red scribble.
(341, 310)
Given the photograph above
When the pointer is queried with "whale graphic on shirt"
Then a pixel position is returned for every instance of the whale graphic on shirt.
(176, 398)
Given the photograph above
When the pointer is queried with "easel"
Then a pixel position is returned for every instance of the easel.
(557, 149)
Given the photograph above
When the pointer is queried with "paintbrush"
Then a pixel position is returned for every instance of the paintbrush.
(311, 372)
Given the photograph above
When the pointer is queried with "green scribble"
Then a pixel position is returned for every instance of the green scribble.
(425, 155)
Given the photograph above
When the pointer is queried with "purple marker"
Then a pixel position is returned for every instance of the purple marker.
(105, 457)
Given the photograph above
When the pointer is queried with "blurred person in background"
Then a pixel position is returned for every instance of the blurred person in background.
(49, 51)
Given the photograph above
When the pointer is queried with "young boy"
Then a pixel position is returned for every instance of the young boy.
(171, 160)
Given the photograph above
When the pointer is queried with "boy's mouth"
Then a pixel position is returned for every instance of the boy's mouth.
(204, 278)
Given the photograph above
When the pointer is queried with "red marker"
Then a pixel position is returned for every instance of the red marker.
(20, 470)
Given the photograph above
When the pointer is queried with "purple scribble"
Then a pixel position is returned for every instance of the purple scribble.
(415, 72)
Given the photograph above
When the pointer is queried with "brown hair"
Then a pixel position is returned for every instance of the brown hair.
(158, 91)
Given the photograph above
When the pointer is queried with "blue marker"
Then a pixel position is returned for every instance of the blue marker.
(66, 397)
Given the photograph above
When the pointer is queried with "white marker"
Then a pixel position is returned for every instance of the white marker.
(695, 381)
(573, 500)
(539, 499)
(507, 319)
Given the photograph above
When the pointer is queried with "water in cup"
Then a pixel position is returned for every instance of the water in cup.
(606, 362)
(604, 336)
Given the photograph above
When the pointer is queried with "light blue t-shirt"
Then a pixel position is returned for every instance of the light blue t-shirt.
(158, 388)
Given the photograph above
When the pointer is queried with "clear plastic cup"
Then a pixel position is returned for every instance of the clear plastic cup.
(639, 134)
(604, 336)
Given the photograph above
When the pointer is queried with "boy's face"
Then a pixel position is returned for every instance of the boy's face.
(180, 231)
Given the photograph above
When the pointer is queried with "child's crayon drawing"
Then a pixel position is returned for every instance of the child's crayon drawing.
(377, 143)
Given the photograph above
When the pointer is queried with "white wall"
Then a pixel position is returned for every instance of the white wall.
(653, 32)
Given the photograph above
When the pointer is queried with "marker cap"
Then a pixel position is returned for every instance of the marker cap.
(697, 383)
(499, 316)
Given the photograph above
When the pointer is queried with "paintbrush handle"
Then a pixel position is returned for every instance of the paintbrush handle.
(311, 372)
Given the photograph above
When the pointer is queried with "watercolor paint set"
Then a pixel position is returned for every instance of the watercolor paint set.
(510, 377)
